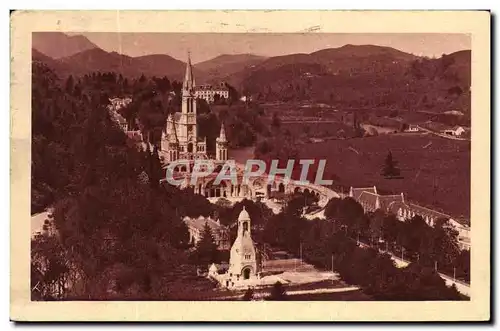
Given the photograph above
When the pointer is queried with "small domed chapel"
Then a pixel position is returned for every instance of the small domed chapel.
(243, 269)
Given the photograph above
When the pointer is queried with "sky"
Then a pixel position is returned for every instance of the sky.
(204, 46)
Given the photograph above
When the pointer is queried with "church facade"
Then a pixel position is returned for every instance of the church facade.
(180, 139)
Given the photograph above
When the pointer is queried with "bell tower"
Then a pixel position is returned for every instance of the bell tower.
(187, 120)
(243, 258)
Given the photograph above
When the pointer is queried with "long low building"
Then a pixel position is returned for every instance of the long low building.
(371, 200)
(208, 92)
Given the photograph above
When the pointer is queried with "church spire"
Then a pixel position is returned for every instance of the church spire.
(222, 134)
(188, 77)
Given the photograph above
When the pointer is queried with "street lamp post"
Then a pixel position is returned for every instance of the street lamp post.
(301, 253)
(332, 270)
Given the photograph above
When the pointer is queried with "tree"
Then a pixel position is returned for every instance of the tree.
(446, 242)
(277, 292)
(276, 121)
(206, 248)
(248, 296)
(69, 84)
(234, 96)
(390, 169)
(216, 98)
(391, 228)
(48, 267)
(223, 203)
(376, 225)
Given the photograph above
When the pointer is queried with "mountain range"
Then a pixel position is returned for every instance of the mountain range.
(351, 73)
(58, 45)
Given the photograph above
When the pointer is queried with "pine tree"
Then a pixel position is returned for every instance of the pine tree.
(277, 292)
(248, 296)
(69, 84)
(276, 122)
(155, 167)
(206, 248)
(390, 169)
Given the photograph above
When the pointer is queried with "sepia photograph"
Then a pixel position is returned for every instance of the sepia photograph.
(188, 166)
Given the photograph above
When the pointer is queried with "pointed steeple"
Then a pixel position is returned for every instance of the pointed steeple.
(188, 77)
(222, 134)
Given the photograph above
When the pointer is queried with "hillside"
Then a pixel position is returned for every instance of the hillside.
(96, 59)
(347, 77)
(366, 76)
(39, 56)
(223, 66)
(58, 45)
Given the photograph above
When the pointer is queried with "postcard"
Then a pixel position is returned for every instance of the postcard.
(250, 166)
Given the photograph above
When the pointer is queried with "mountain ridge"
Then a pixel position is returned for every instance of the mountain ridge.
(348, 76)
(59, 45)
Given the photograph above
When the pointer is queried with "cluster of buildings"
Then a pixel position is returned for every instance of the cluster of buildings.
(115, 104)
(456, 131)
(371, 200)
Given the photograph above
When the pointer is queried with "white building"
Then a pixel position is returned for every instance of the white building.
(117, 103)
(208, 92)
(412, 128)
(243, 269)
(456, 131)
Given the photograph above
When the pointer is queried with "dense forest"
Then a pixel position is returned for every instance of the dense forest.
(366, 81)
(153, 99)
(106, 198)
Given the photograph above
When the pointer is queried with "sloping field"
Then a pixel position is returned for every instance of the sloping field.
(436, 170)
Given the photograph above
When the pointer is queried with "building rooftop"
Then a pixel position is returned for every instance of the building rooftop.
(393, 203)
(386, 200)
(212, 88)
(357, 191)
(199, 223)
(367, 197)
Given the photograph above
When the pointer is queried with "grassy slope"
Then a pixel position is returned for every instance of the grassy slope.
(438, 175)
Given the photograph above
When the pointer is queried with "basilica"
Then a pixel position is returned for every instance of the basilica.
(180, 139)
